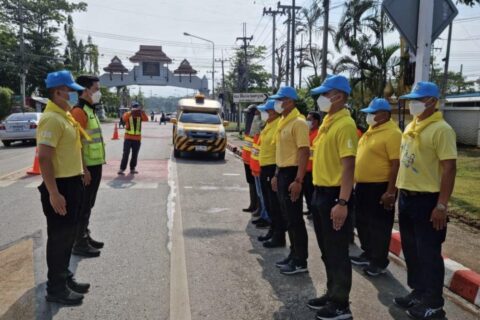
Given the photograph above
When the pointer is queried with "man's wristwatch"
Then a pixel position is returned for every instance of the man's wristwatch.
(441, 207)
(341, 202)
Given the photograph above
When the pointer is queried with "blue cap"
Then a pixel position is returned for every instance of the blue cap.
(269, 105)
(337, 82)
(135, 104)
(285, 92)
(62, 78)
(377, 104)
(423, 89)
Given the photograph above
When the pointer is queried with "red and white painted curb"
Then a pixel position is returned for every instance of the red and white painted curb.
(236, 150)
(458, 278)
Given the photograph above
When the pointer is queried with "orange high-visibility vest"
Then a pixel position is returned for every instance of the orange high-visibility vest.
(255, 156)
(247, 149)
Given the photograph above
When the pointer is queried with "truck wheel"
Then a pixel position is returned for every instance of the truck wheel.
(176, 153)
(221, 155)
(6, 143)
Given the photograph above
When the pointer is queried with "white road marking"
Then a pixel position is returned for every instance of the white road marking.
(179, 298)
(127, 185)
(231, 174)
(4, 184)
(188, 187)
(34, 184)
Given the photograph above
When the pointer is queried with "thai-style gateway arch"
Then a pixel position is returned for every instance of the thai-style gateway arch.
(152, 70)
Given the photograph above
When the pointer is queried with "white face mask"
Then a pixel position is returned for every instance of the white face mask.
(371, 119)
(96, 97)
(416, 107)
(278, 106)
(264, 116)
(324, 104)
(310, 124)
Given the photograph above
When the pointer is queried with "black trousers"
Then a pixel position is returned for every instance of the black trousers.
(422, 246)
(128, 145)
(293, 215)
(271, 202)
(308, 190)
(89, 198)
(61, 230)
(374, 223)
(333, 244)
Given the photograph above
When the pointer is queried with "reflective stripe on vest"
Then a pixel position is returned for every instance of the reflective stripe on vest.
(247, 149)
(255, 157)
(132, 129)
(94, 150)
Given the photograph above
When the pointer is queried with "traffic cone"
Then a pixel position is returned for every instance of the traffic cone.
(115, 132)
(36, 165)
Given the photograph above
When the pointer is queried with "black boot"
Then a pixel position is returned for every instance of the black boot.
(94, 243)
(67, 297)
(84, 249)
(78, 287)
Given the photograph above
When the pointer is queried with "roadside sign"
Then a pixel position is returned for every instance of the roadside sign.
(404, 16)
(249, 97)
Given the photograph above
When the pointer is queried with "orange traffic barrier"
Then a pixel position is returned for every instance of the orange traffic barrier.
(115, 132)
(36, 165)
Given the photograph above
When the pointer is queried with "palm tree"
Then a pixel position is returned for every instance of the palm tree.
(308, 19)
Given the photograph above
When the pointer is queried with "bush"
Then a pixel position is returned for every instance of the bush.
(5, 102)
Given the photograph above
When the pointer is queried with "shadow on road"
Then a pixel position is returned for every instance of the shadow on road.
(293, 291)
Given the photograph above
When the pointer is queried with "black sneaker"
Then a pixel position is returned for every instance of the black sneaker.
(408, 301)
(360, 260)
(293, 268)
(257, 221)
(274, 243)
(264, 224)
(374, 271)
(121, 172)
(332, 312)
(318, 303)
(283, 263)
(423, 311)
(86, 251)
(266, 237)
(67, 297)
(133, 171)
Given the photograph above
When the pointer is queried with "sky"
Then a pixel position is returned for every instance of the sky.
(119, 27)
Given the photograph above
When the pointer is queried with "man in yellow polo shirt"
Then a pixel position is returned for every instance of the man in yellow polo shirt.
(291, 156)
(425, 179)
(376, 169)
(333, 167)
(60, 157)
(276, 234)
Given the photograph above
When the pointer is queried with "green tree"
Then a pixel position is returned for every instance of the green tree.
(456, 82)
(41, 20)
(470, 3)
(5, 101)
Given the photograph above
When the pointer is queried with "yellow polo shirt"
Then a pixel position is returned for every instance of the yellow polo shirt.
(292, 137)
(268, 146)
(55, 131)
(339, 141)
(420, 168)
(376, 149)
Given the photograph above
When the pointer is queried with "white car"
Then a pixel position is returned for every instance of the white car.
(19, 127)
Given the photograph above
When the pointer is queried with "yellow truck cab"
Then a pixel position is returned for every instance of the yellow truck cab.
(199, 127)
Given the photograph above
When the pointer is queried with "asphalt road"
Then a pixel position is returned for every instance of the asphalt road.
(177, 247)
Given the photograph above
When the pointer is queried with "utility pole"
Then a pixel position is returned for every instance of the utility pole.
(292, 10)
(326, 10)
(22, 56)
(223, 78)
(447, 60)
(246, 43)
(424, 40)
(273, 13)
(300, 65)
